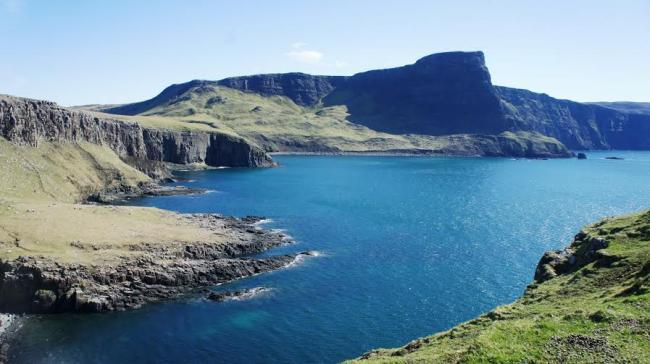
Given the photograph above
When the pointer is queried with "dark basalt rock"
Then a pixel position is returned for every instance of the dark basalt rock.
(615, 158)
(582, 156)
(444, 93)
(303, 89)
(123, 193)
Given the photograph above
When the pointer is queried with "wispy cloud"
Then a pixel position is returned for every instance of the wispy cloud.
(300, 53)
(303, 53)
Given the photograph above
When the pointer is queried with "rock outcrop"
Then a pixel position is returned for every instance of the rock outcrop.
(583, 250)
(153, 272)
(303, 89)
(26, 121)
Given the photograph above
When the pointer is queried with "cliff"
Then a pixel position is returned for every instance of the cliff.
(589, 303)
(303, 89)
(277, 124)
(57, 255)
(577, 125)
(29, 122)
(440, 94)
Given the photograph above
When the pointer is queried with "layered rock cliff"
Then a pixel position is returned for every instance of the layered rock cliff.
(303, 89)
(26, 121)
(577, 125)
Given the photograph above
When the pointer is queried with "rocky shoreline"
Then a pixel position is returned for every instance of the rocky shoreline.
(153, 273)
(124, 193)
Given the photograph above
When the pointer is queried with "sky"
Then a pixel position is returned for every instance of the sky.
(117, 51)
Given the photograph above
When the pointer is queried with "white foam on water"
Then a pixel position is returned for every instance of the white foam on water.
(251, 293)
(263, 222)
(300, 258)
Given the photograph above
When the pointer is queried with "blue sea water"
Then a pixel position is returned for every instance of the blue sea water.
(409, 246)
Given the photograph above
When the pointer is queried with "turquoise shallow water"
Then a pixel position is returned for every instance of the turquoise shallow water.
(410, 246)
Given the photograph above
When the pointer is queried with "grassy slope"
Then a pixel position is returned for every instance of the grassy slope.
(277, 124)
(596, 314)
(64, 172)
(39, 188)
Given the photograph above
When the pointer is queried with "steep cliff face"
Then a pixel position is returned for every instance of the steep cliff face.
(25, 121)
(441, 94)
(303, 89)
(577, 125)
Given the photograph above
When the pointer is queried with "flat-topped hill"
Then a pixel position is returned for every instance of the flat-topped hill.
(440, 94)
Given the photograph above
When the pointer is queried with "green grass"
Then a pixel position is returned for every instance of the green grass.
(40, 188)
(64, 172)
(599, 313)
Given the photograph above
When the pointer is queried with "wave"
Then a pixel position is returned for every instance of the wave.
(263, 222)
(300, 257)
(243, 295)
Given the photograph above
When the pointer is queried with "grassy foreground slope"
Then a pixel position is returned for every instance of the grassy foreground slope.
(277, 124)
(40, 188)
(589, 304)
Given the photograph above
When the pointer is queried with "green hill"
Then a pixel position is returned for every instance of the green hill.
(440, 94)
(590, 303)
(278, 124)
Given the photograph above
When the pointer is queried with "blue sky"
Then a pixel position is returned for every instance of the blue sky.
(79, 52)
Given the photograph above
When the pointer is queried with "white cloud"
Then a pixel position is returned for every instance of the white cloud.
(306, 56)
(301, 52)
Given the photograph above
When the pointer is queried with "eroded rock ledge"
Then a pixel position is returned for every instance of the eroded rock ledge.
(145, 273)
(583, 250)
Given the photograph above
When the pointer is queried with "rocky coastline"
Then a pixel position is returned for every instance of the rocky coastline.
(152, 273)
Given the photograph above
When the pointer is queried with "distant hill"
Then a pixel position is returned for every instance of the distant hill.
(626, 106)
(439, 95)
(278, 124)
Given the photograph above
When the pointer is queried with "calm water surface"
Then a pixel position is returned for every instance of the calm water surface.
(409, 245)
